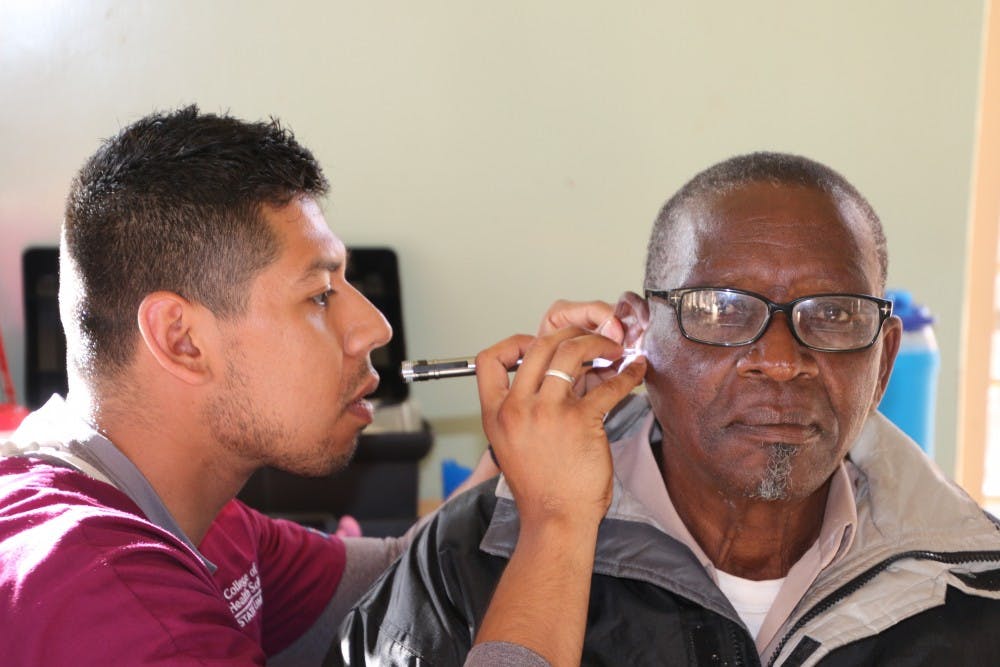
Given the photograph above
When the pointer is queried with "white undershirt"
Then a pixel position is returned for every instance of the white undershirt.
(751, 599)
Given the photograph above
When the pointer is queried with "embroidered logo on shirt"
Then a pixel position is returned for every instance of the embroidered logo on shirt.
(244, 596)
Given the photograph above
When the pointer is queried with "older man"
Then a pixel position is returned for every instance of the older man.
(763, 511)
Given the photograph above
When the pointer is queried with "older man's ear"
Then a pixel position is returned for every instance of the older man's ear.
(633, 313)
(892, 332)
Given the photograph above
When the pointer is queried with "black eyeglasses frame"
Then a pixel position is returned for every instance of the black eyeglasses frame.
(673, 298)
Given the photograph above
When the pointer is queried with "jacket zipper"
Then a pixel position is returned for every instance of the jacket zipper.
(954, 558)
(739, 647)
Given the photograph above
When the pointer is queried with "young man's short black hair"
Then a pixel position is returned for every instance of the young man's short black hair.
(172, 202)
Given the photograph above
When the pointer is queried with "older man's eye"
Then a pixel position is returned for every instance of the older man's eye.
(323, 298)
(832, 313)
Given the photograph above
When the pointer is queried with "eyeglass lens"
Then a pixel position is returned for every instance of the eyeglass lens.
(837, 322)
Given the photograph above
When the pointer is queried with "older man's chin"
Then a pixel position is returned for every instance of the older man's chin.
(774, 484)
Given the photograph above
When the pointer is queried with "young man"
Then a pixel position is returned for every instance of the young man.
(210, 332)
(763, 511)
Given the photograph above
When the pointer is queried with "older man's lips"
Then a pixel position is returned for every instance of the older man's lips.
(769, 425)
(793, 434)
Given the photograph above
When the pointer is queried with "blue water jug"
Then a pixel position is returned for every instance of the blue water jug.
(453, 474)
(910, 398)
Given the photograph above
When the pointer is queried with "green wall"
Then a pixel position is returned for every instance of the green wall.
(516, 152)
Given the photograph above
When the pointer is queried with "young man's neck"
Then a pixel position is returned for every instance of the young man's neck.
(175, 453)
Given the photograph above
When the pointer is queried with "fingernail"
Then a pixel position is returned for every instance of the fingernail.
(606, 326)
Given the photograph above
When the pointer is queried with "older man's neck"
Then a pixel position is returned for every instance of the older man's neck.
(750, 538)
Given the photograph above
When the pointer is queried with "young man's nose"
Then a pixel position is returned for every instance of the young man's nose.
(368, 330)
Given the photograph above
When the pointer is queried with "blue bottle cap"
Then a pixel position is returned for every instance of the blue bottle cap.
(914, 315)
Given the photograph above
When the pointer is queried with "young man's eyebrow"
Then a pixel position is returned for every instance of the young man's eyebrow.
(331, 266)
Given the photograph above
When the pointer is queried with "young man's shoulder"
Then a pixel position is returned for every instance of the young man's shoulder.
(35, 492)
(55, 521)
(86, 577)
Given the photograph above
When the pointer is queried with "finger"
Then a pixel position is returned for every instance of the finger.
(589, 315)
(571, 355)
(613, 329)
(492, 366)
(607, 395)
(538, 358)
(568, 380)
(601, 373)
(593, 378)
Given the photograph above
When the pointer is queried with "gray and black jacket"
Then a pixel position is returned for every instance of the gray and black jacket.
(920, 584)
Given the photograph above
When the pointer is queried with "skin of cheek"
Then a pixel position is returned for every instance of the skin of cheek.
(675, 381)
(284, 409)
(691, 386)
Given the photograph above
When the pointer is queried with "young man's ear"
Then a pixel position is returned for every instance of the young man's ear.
(633, 312)
(176, 334)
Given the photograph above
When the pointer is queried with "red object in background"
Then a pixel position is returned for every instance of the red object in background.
(11, 414)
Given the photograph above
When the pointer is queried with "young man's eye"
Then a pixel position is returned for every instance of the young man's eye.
(322, 298)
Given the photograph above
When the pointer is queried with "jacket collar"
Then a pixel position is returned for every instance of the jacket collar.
(919, 535)
(904, 503)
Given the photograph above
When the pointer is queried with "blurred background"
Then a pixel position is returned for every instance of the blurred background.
(514, 153)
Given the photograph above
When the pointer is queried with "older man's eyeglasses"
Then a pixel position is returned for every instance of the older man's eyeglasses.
(731, 317)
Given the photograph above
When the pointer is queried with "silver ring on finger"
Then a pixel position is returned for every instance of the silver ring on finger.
(552, 372)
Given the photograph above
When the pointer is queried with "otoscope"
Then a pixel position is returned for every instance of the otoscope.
(422, 370)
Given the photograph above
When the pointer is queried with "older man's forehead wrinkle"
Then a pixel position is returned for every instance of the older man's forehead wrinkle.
(682, 249)
(739, 235)
(755, 263)
(764, 253)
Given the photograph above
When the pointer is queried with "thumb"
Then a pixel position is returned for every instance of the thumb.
(606, 395)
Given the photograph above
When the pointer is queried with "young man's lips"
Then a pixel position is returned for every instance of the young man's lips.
(362, 409)
(360, 406)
